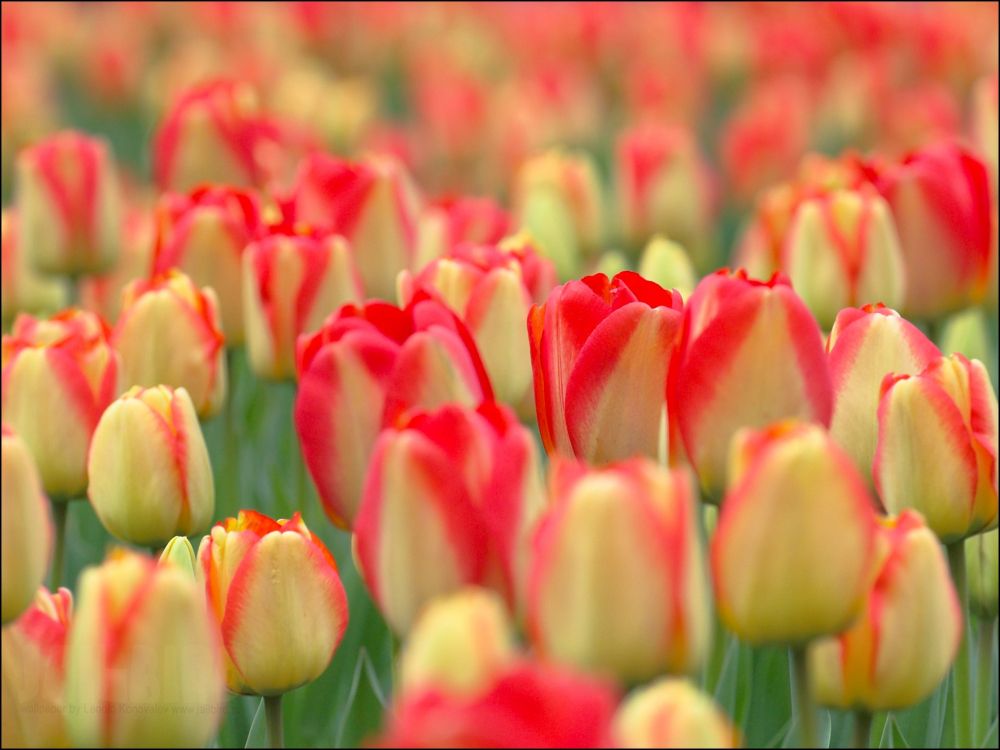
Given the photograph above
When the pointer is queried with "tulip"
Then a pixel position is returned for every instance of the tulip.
(558, 199)
(616, 584)
(791, 485)
(903, 644)
(33, 672)
(449, 223)
(168, 332)
(449, 500)
(981, 567)
(985, 121)
(68, 204)
(150, 475)
(940, 200)
(487, 286)
(460, 644)
(372, 203)
(275, 594)
(937, 446)
(27, 528)
(58, 376)
(208, 136)
(664, 262)
(290, 283)
(664, 188)
(672, 713)
(143, 666)
(180, 554)
(204, 233)
(867, 344)
(531, 705)
(967, 333)
(842, 250)
(362, 370)
(752, 354)
(601, 351)
(22, 288)
(103, 294)
(611, 263)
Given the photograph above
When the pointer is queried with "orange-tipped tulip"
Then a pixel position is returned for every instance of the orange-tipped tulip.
(752, 354)
(937, 446)
(58, 376)
(601, 351)
(150, 475)
(672, 713)
(27, 528)
(169, 333)
(793, 550)
(143, 665)
(247, 565)
(617, 586)
(902, 646)
(68, 204)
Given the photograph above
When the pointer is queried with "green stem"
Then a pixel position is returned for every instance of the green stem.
(60, 509)
(275, 730)
(803, 699)
(960, 685)
(862, 729)
(984, 671)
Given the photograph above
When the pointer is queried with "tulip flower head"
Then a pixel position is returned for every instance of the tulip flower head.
(601, 351)
(150, 474)
(672, 713)
(246, 565)
(902, 645)
(982, 570)
(59, 375)
(937, 446)
(143, 665)
(27, 527)
(23, 289)
(791, 485)
(169, 332)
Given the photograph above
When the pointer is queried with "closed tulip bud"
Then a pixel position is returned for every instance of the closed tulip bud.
(487, 287)
(865, 345)
(617, 585)
(169, 333)
(672, 713)
(902, 645)
(27, 528)
(967, 333)
(58, 376)
(290, 283)
(449, 501)
(665, 263)
(34, 672)
(204, 234)
(753, 354)
(664, 188)
(841, 250)
(981, 564)
(373, 203)
(940, 200)
(246, 565)
(530, 705)
(558, 199)
(208, 136)
(68, 204)
(143, 666)
(361, 371)
(22, 288)
(103, 294)
(460, 644)
(611, 262)
(937, 446)
(449, 223)
(180, 554)
(601, 351)
(150, 475)
(791, 485)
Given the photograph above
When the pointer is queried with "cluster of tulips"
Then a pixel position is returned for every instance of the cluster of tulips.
(566, 482)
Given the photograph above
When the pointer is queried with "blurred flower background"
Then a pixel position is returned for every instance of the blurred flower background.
(239, 195)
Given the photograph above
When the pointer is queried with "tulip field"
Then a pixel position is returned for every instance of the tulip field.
(615, 375)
